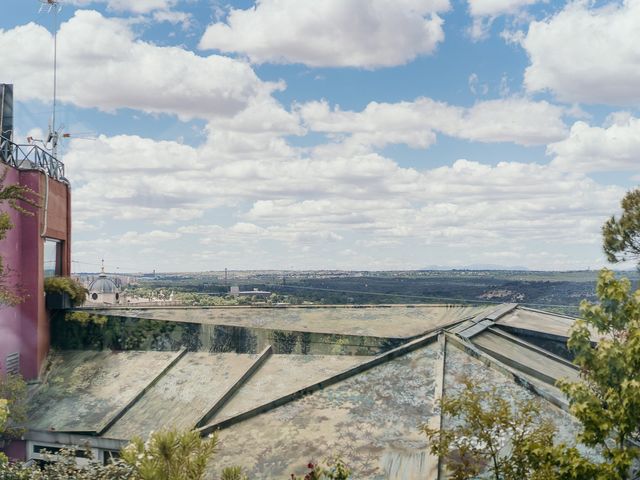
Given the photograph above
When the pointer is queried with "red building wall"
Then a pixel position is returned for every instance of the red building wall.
(25, 327)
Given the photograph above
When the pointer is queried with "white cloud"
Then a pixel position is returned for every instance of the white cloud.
(102, 64)
(135, 6)
(512, 119)
(475, 87)
(129, 178)
(494, 8)
(600, 149)
(286, 198)
(484, 12)
(183, 18)
(331, 33)
(146, 238)
(587, 54)
(248, 234)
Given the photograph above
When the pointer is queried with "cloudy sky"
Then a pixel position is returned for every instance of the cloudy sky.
(350, 134)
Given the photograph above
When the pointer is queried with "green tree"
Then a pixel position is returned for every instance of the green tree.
(14, 196)
(607, 399)
(490, 435)
(621, 236)
(487, 435)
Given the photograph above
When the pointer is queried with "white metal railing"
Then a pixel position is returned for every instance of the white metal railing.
(28, 157)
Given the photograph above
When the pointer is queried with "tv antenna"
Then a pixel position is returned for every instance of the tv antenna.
(53, 7)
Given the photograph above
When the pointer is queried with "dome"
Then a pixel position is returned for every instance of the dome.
(103, 285)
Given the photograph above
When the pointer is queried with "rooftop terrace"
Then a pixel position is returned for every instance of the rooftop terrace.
(276, 411)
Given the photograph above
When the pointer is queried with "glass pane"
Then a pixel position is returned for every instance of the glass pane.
(52, 260)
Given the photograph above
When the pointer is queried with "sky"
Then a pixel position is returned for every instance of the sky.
(334, 134)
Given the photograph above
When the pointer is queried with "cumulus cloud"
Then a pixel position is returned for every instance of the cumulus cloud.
(331, 33)
(587, 54)
(600, 149)
(245, 234)
(465, 204)
(132, 178)
(512, 119)
(103, 64)
(294, 200)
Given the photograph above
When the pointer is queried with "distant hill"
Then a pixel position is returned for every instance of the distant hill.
(479, 266)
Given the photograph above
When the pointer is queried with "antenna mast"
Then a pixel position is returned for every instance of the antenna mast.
(53, 6)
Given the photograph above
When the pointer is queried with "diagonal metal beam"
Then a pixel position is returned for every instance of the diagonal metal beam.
(435, 421)
(222, 401)
(112, 421)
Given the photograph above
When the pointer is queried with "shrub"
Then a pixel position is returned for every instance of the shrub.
(68, 285)
(233, 473)
(335, 470)
(84, 318)
(13, 390)
(170, 455)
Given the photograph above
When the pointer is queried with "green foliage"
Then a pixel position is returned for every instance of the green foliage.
(335, 470)
(233, 473)
(607, 400)
(489, 435)
(166, 455)
(492, 435)
(13, 391)
(68, 285)
(17, 195)
(4, 413)
(14, 196)
(84, 318)
(4, 416)
(170, 455)
(16, 470)
(621, 236)
(63, 466)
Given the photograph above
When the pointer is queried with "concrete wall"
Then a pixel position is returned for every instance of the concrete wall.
(25, 327)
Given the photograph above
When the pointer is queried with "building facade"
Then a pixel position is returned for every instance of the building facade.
(38, 245)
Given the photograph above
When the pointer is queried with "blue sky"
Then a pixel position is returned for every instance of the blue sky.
(337, 134)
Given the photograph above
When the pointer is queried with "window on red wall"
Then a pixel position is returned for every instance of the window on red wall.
(52, 258)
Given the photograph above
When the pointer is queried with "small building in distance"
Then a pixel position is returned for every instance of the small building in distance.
(235, 291)
(103, 290)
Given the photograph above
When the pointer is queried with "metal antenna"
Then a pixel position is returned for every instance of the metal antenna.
(53, 6)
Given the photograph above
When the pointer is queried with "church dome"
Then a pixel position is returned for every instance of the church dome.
(102, 284)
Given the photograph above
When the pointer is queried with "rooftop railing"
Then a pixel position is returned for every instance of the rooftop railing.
(31, 157)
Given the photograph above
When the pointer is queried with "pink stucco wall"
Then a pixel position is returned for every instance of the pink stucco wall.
(16, 450)
(25, 327)
(11, 250)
